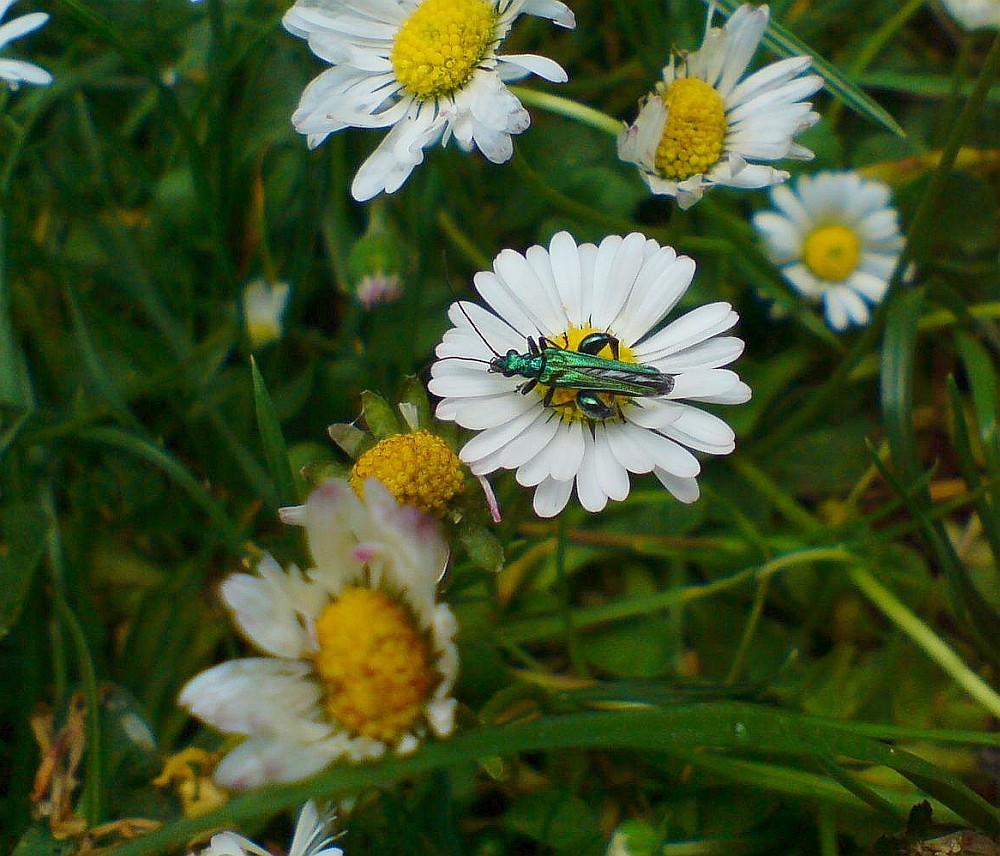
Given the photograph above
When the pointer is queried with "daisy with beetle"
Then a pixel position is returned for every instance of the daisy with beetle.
(569, 381)
(707, 125)
(428, 70)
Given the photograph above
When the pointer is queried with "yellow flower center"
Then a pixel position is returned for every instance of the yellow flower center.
(418, 469)
(564, 400)
(832, 252)
(440, 44)
(374, 662)
(694, 131)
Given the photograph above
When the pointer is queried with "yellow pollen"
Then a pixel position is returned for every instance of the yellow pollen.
(440, 44)
(832, 252)
(564, 400)
(694, 132)
(418, 469)
(375, 664)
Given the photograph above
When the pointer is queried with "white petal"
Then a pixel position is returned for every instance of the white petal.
(258, 696)
(551, 497)
(259, 762)
(265, 609)
(686, 490)
(542, 66)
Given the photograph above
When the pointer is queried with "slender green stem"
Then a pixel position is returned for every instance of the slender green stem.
(781, 501)
(932, 644)
(918, 242)
(566, 606)
(92, 797)
(547, 627)
(570, 109)
(753, 622)
(872, 48)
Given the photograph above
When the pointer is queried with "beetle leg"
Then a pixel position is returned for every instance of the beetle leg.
(527, 386)
(594, 343)
(593, 406)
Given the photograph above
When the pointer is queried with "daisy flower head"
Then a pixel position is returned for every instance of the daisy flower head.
(569, 379)
(426, 69)
(313, 837)
(836, 239)
(707, 125)
(357, 654)
(975, 14)
(14, 72)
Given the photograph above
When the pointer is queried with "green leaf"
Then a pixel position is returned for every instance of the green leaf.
(729, 728)
(23, 530)
(272, 440)
(379, 416)
(783, 43)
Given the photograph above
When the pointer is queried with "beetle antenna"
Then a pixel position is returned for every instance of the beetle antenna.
(465, 359)
(479, 333)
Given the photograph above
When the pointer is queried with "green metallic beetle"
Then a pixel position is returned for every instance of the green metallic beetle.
(582, 370)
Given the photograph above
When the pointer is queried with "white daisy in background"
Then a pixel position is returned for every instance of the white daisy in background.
(556, 437)
(706, 125)
(836, 239)
(975, 14)
(313, 837)
(358, 655)
(264, 305)
(14, 72)
(427, 69)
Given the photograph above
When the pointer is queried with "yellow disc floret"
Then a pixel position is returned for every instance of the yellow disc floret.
(418, 469)
(374, 663)
(694, 132)
(564, 399)
(832, 252)
(440, 44)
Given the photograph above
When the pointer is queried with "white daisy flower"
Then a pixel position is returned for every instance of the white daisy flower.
(313, 837)
(358, 655)
(264, 305)
(707, 125)
(975, 14)
(604, 301)
(14, 72)
(836, 238)
(427, 69)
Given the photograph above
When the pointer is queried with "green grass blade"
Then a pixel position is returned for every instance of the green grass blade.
(725, 727)
(272, 440)
(23, 530)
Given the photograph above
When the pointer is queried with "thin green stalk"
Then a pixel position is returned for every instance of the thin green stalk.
(781, 501)
(753, 622)
(609, 221)
(565, 598)
(570, 109)
(872, 48)
(919, 243)
(92, 797)
(547, 627)
(932, 644)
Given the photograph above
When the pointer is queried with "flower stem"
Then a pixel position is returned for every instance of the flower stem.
(933, 645)
(570, 109)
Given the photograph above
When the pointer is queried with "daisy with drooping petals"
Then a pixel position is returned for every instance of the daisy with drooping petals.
(571, 297)
(836, 239)
(14, 72)
(358, 655)
(264, 305)
(313, 837)
(706, 125)
(427, 69)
